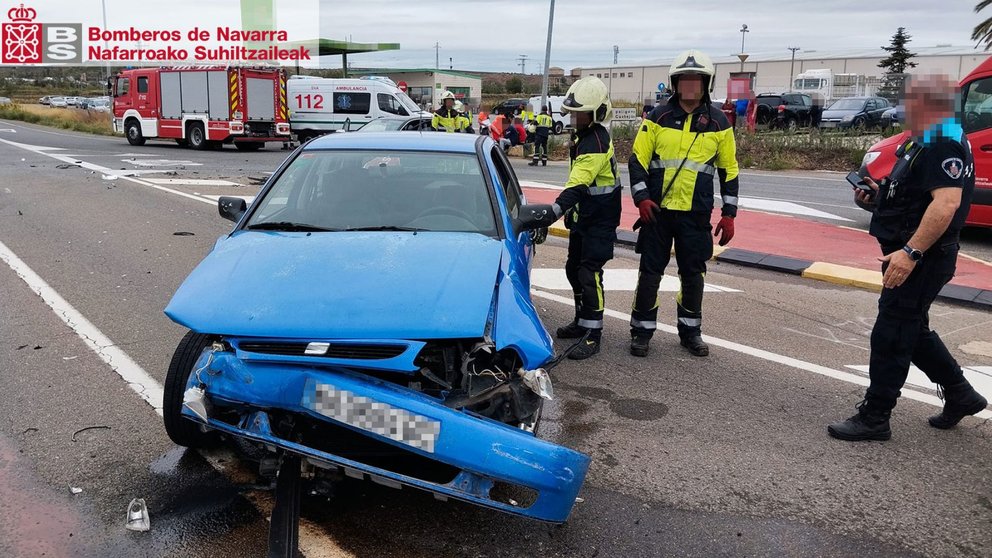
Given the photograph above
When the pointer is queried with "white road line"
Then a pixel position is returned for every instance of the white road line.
(90, 137)
(977, 376)
(769, 356)
(191, 182)
(135, 377)
(613, 280)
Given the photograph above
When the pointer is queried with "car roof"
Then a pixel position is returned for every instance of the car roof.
(424, 141)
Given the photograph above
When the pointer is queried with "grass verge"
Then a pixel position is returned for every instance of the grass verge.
(80, 120)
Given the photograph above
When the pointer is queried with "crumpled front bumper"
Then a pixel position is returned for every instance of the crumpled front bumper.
(482, 450)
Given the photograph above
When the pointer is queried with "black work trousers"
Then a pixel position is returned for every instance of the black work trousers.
(540, 148)
(902, 333)
(690, 232)
(589, 248)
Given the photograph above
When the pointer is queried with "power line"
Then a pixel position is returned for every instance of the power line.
(523, 63)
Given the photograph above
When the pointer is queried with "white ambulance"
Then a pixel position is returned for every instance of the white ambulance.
(320, 106)
(554, 104)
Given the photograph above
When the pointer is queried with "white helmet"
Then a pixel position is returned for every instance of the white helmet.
(447, 95)
(589, 94)
(692, 62)
(459, 106)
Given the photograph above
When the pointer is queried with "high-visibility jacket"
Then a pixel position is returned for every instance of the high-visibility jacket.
(462, 123)
(445, 119)
(544, 124)
(704, 139)
(593, 180)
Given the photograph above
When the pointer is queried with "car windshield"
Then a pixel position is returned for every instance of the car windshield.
(407, 102)
(338, 190)
(383, 125)
(847, 104)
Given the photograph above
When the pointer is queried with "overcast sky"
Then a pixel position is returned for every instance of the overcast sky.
(486, 35)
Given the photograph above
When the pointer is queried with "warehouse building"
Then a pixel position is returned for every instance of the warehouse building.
(424, 86)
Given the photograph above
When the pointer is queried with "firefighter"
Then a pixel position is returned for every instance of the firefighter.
(678, 150)
(544, 124)
(590, 203)
(446, 117)
(462, 122)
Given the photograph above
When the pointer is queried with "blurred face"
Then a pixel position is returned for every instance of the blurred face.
(580, 120)
(448, 103)
(690, 88)
(928, 101)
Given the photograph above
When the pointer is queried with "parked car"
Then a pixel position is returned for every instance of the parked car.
(73, 101)
(371, 311)
(511, 107)
(5, 101)
(44, 100)
(894, 117)
(57, 102)
(787, 110)
(854, 112)
(100, 104)
(415, 123)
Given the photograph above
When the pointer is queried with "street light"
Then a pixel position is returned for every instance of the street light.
(792, 67)
(743, 56)
(547, 57)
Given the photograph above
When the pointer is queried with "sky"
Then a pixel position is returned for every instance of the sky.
(486, 35)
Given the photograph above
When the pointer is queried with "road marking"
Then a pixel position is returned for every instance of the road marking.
(980, 377)
(89, 137)
(767, 355)
(799, 176)
(11, 130)
(215, 198)
(191, 182)
(162, 162)
(613, 280)
(136, 378)
(312, 541)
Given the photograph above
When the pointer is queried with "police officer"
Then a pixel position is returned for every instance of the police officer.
(590, 203)
(446, 117)
(678, 150)
(544, 123)
(917, 215)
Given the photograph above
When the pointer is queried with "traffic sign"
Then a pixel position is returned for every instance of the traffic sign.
(402, 86)
(661, 86)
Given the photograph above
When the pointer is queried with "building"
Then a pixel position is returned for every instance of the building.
(775, 72)
(425, 85)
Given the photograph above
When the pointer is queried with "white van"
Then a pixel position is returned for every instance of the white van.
(554, 102)
(320, 106)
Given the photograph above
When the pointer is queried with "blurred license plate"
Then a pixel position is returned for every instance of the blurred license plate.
(829, 124)
(374, 416)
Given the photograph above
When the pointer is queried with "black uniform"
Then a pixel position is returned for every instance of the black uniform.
(902, 333)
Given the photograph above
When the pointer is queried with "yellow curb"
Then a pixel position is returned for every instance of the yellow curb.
(844, 275)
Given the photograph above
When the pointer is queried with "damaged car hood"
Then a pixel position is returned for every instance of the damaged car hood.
(371, 285)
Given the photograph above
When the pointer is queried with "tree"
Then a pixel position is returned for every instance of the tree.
(896, 64)
(490, 87)
(983, 31)
(514, 85)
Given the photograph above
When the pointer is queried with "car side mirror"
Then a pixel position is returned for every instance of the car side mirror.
(231, 208)
(534, 216)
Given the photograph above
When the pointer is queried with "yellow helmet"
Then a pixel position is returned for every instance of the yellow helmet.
(589, 94)
(692, 62)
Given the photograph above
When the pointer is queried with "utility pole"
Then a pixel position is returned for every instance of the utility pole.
(547, 56)
(616, 52)
(451, 65)
(523, 63)
(792, 67)
(437, 59)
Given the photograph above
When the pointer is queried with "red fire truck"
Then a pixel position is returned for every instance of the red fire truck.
(202, 106)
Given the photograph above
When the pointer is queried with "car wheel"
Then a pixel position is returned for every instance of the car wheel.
(132, 129)
(559, 128)
(248, 146)
(180, 429)
(196, 136)
(858, 125)
(790, 125)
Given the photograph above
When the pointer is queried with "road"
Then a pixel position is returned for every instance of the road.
(724, 456)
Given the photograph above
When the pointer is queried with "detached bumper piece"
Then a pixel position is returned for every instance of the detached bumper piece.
(488, 460)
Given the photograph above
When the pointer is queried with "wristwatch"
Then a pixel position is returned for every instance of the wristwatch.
(914, 255)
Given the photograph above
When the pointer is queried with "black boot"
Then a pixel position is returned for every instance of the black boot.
(544, 161)
(588, 348)
(871, 423)
(640, 344)
(571, 331)
(533, 163)
(696, 345)
(960, 400)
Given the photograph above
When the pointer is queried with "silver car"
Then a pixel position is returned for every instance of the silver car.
(58, 102)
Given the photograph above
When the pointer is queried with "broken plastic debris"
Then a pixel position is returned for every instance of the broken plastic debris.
(75, 489)
(137, 516)
(70, 358)
(109, 177)
(579, 500)
(538, 381)
(195, 400)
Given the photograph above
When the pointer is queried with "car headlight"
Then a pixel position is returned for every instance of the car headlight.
(870, 157)
(847, 118)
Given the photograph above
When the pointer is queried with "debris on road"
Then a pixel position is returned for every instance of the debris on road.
(98, 427)
(183, 233)
(137, 516)
(75, 489)
(70, 357)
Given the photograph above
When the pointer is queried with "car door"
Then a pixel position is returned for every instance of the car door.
(977, 100)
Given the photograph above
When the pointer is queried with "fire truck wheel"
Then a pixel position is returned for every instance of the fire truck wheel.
(133, 132)
(245, 146)
(196, 136)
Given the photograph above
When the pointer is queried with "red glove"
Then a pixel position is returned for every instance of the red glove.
(725, 228)
(648, 210)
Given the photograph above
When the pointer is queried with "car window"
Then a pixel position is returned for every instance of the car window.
(977, 97)
(142, 84)
(847, 104)
(352, 103)
(388, 103)
(508, 181)
(123, 85)
(417, 124)
(357, 189)
(772, 101)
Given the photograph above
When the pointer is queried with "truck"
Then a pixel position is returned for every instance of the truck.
(320, 106)
(201, 107)
(824, 85)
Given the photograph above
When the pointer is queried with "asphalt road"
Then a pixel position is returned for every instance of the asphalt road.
(723, 456)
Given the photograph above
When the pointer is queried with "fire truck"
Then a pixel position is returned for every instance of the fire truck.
(201, 107)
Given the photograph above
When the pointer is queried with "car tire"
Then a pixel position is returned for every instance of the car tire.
(858, 125)
(180, 429)
(197, 136)
(790, 125)
(248, 146)
(559, 128)
(132, 130)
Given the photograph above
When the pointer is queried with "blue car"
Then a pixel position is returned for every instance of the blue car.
(371, 313)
